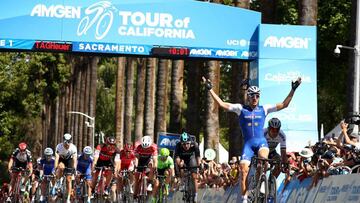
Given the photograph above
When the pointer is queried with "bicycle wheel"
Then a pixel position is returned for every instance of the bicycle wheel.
(272, 188)
(261, 192)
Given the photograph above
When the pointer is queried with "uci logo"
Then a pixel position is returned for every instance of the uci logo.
(101, 16)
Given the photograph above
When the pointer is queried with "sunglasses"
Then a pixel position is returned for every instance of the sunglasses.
(186, 143)
(252, 96)
(274, 129)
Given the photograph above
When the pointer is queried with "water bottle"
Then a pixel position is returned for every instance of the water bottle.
(270, 199)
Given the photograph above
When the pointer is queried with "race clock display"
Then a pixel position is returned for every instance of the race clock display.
(170, 51)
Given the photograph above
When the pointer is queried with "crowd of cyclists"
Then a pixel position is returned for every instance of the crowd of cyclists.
(107, 162)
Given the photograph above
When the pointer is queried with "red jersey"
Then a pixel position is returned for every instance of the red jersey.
(106, 152)
(126, 160)
(146, 152)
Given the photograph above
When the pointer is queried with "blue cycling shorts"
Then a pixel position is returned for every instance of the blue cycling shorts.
(86, 173)
(252, 146)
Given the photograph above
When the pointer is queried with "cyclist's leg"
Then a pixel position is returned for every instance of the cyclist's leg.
(246, 156)
(88, 179)
(277, 169)
(69, 170)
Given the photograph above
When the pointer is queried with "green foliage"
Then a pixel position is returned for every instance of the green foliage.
(27, 82)
(105, 99)
(333, 28)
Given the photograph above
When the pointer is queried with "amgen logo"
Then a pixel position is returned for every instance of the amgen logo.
(287, 42)
(168, 142)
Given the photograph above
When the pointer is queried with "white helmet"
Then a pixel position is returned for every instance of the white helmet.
(87, 150)
(253, 90)
(67, 137)
(48, 152)
(146, 141)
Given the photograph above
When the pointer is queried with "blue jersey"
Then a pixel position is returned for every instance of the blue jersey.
(252, 120)
(47, 166)
(251, 123)
(84, 165)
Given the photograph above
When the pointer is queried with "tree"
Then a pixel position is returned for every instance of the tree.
(119, 100)
(161, 96)
(140, 99)
(176, 96)
(211, 131)
(150, 97)
(129, 98)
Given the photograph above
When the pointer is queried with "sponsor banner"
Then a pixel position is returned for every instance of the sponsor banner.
(112, 48)
(287, 42)
(16, 44)
(275, 76)
(52, 46)
(168, 140)
(168, 23)
(222, 53)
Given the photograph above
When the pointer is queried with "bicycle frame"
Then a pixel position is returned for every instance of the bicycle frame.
(162, 194)
(100, 183)
(49, 185)
(83, 188)
(189, 191)
(126, 195)
(143, 184)
(17, 186)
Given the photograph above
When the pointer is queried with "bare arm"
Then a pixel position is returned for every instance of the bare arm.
(288, 99)
(346, 136)
(218, 100)
(56, 160)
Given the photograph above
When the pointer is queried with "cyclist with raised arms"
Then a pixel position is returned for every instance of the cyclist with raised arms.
(274, 135)
(20, 159)
(146, 154)
(65, 161)
(83, 168)
(187, 153)
(251, 119)
(46, 167)
(165, 168)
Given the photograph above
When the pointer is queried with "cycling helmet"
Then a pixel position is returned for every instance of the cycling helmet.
(164, 152)
(146, 141)
(22, 146)
(184, 137)
(87, 150)
(67, 137)
(253, 90)
(48, 152)
(110, 140)
(128, 147)
(274, 123)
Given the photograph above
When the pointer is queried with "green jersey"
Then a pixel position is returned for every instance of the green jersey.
(168, 163)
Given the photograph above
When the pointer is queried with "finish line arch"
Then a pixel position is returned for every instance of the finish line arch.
(177, 29)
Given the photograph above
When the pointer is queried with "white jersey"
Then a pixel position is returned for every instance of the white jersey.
(66, 153)
(273, 142)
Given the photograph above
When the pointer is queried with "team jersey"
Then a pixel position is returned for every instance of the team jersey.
(186, 155)
(168, 163)
(17, 156)
(273, 142)
(83, 164)
(66, 153)
(107, 152)
(252, 120)
(126, 160)
(46, 166)
(146, 152)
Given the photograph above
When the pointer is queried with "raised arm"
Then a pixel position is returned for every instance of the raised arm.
(288, 99)
(344, 132)
(219, 101)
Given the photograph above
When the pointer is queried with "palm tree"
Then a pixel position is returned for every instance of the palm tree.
(150, 96)
(92, 100)
(268, 11)
(119, 99)
(177, 90)
(193, 79)
(140, 98)
(129, 98)
(308, 12)
(211, 131)
(161, 96)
